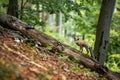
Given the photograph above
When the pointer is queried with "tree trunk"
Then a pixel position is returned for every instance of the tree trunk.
(13, 8)
(43, 16)
(60, 23)
(50, 19)
(45, 40)
(37, 8)
(103, 29)
(57, 22)
(22, 8)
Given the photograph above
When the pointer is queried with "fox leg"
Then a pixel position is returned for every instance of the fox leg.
(81, 48)
(87, 50)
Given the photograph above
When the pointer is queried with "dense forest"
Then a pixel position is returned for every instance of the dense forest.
(77, 31)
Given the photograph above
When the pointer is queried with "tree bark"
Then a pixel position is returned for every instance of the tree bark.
(60, 23)
(57, 22)
(103, 29)
(22, 6)
(37, 8)
(13, 8)
(45, 40)
(44, 16)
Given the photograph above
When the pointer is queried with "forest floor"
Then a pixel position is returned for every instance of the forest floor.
(21, 61)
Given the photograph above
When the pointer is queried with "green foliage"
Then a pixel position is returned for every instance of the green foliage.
(118, 5)
(114, 42)
(113, 62)
(116, 21)
(43, 76)
(3, 5)
(54, 34)
(104, 79)
(63, 57)
(30, 16)
(76, 67)
(88, 19)
(54, 6)
(44, 55)
(31, 13)
(9, 71)
(31, 42)
(114, 34)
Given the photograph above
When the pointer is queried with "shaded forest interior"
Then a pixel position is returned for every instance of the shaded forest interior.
(55, 46)
(60, 39)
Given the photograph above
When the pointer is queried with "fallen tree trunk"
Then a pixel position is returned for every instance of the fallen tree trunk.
(45, 40)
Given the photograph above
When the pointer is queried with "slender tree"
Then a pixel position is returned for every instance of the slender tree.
(57, 21)
(22, 6)
(37, 7)
(60, 23)
(13, 8)
(44, 15)
(103, 29)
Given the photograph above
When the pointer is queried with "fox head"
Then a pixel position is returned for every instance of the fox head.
(76, 39)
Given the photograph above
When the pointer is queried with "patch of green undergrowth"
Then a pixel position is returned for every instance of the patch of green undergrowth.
(45, 55)
(113, 62)
(63, 57)
(9, 72)
(43, 76)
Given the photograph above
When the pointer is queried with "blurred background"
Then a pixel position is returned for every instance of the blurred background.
(65, 19)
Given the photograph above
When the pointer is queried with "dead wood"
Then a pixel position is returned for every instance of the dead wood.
(45, 40)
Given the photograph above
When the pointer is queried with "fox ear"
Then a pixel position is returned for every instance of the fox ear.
(77, 38)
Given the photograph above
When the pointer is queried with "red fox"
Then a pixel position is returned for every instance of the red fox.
(83, 44)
